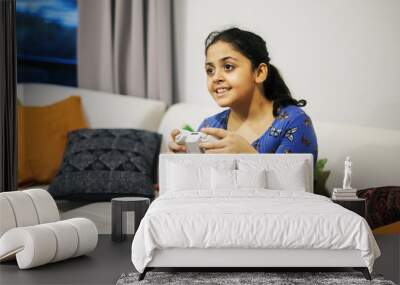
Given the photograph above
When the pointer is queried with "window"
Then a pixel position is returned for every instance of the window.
(46, 41)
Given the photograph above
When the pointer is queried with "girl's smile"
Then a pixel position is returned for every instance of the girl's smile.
(222, 91)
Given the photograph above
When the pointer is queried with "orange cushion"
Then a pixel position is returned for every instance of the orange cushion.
(25, 174)
(393, 228)
(46, 131)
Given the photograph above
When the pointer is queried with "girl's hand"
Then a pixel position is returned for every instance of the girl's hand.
(173, 146)
(228, 142)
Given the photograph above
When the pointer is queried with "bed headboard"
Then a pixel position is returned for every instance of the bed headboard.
(249, 161)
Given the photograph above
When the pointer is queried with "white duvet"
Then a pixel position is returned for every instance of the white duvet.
(250, 219)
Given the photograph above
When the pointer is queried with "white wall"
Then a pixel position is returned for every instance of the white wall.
(342, 56)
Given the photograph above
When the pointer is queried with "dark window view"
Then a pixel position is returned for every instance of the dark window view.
(46, 41)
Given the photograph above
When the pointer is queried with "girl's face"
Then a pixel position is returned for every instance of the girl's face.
(230, 77)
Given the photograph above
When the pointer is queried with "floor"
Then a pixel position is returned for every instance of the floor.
(388, 264)
(102, 266)
(111, 259)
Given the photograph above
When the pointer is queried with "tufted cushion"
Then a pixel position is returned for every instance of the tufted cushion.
(40, 244)
(26, 208)
(31, 232)
(100, 164)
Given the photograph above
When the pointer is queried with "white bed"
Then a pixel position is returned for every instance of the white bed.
(247, 211)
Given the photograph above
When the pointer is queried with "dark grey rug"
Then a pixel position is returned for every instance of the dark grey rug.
(243, 278)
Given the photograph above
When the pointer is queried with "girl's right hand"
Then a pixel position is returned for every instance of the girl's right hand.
(173, 146)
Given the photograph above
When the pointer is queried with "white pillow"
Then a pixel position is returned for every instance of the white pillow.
(225, 179)
(293, 178)
(251, 178)
(284, 171)
(184, 175)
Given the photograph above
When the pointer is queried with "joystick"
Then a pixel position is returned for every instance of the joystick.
(192, 139)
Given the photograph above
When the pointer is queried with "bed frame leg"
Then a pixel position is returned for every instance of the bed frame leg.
(143, 274)
(364, 271)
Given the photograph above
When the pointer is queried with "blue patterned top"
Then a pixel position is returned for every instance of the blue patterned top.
(291, 132)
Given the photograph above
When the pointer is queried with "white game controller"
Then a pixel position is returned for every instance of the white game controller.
(192, 139)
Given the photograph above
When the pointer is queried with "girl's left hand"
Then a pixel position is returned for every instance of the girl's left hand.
(228, 142)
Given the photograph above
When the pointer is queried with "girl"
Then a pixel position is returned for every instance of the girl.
(262, 116)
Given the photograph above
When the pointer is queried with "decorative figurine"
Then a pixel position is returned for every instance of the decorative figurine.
(347, 173)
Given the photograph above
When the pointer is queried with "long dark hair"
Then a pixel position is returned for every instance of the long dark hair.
(254, 48)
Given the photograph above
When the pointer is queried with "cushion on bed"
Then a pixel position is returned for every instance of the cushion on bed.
(223, 179)
(186, 175)
(285, 175)
(100, 164)
(251, 178)
(289, 179)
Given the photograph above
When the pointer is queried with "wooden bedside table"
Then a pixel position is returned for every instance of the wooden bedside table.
(355, 205)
